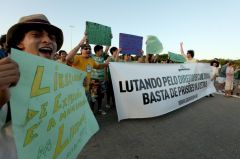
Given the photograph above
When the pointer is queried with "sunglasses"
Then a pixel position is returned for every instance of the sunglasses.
(86, 48)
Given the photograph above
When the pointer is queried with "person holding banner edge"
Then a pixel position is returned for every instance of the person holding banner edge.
(110, 93)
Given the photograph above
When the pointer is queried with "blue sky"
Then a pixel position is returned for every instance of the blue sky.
(211, 28)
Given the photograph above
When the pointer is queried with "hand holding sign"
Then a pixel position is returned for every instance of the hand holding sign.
(9, 73)
(107, 61)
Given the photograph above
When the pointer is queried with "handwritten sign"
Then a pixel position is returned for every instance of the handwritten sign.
(98, 34)
(176, 57)
(50, 112)
(130, 44)
(153, 45)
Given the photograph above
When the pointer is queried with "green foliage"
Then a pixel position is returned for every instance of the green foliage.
(223, 61)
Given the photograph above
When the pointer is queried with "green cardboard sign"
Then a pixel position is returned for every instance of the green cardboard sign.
(51, 117)
(153, 45)
(98, 34)
(176, 57)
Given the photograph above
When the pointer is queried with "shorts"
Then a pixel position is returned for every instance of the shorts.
(221, 80)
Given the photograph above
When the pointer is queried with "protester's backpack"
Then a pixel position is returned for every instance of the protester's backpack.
(223, 70)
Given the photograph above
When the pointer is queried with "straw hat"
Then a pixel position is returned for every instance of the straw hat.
(31, 22)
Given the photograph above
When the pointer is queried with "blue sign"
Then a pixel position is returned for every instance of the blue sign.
(130, 44)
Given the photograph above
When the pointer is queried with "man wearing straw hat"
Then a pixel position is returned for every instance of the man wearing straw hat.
(35, 35)
(32, 34)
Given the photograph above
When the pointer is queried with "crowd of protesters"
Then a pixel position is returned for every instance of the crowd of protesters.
(35, 35)
(226, 78)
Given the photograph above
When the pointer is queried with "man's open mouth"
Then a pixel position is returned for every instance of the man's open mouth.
(46, 50)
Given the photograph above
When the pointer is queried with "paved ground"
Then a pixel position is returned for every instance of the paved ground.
(206, 129)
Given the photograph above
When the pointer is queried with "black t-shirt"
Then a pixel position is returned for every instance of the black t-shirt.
(2, 54)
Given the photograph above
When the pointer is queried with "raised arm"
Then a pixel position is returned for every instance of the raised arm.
(181, 49)
(105, 52)
(74, 51)
(106, 49)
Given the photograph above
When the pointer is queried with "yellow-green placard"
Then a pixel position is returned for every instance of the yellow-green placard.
(51, 116)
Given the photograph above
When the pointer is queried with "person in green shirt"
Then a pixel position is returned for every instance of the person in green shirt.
(98, 77)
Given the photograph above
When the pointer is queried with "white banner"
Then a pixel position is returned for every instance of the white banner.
(148, 90)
